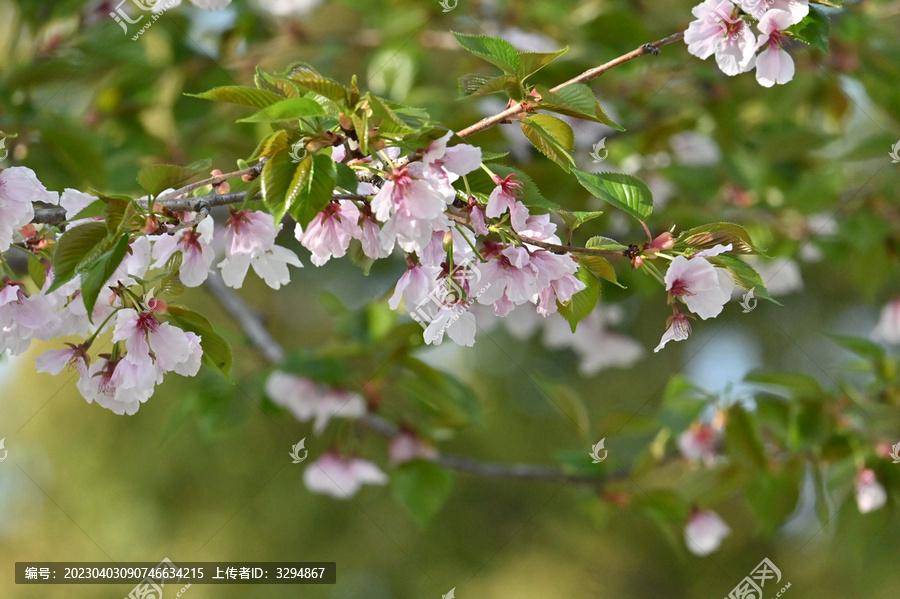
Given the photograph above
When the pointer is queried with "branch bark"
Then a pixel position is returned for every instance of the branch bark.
(590, 74)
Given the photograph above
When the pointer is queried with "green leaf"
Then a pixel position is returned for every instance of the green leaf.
(604, 243)
(358, 256)
(286, 110)
(97, 274)
(575, 100)
(814, 29)
(742, 439)
(773, 496)
(573, 220)
(422, 487)
(600, 266)
(446, 400)
(861, 347)
(496, 51)
(216, 351)
(552, 137)
(278, 182)
(159, 177)
(708, 236)
(473, 86)
(799, 385)
(76, 246)
(568, 401)
(532, 62)
(311, 79)
(745, 276)
(317, 194)
(622, 191)
(272, 145)
(582, 303)
(245, 96)
(37, 270)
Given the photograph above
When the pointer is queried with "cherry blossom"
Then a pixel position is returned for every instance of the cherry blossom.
(155, 347)
(194, 244)
(406, 446)
(250, 241)
(705, 532)
(54, 361)
(451, 163)
(308, 400)
(679, 330)
(870, 494)
(23, 318)
(758, 8)
(504, 198)
(454, 319)
(329, 234)
(698, 443)
(105, 383)
(341, 477)
(703, 288)
(718, 31)
(19, 187)
(415, 285)
(774, 64)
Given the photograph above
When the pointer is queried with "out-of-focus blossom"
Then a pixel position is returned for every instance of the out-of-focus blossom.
(705, 532)
(341, 477)
(308, 400)
(888, 328)
(870, 494)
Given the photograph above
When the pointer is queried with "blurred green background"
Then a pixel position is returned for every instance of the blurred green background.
(202, 472)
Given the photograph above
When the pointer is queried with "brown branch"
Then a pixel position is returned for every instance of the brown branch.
(272, 351)
(590, 74)
(254, 171)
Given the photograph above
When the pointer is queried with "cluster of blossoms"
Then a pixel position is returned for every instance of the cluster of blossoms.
(725, 28)
(144, 346)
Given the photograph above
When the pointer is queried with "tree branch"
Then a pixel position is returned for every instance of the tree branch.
(590, 74)
(256, 332)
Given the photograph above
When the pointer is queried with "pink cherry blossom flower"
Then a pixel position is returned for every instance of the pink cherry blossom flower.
(415, 285)
(679, 330)
(413, 189)
(597, 347)
(73, 202)
(23, 318)
(757, 8)
(476, 217)
(250, 241)
(888, 327)
(155, 346)
(870, 494)
(103, 384)
(308, 400)
(19, 187)
(718, 31)
(53, 361)
(451, 162)
(504, 197)
(774, 64)
(698, 443)
(195, 246)
(705, 532)
(341, 477)
(406, 446)
(249, 232)
(704, 288)
(455, 320)
(329, 234)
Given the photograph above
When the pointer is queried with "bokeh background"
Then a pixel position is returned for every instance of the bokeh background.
(201, 473)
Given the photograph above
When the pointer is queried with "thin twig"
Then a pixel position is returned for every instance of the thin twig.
(590, 74)
(249, 320)
(254, 170)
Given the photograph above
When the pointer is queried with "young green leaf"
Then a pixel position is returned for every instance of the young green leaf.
(532, 62)
(553, 137)
(600, 266)
(575, 100)
(317, 195)
(245, 96)
(622, 191)
(76, 246)
(157, 178)
(280, 182)
(604, 243)
(582, 303)
(479, 85)
(573, 220)
(291, 109)
(97, 273)
(814, 29)
(708, 236)
(422, 487)
(496, 51)
(745, 276)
